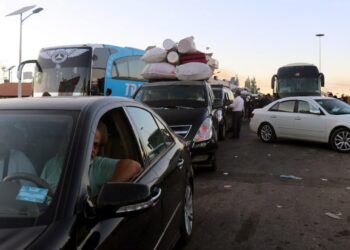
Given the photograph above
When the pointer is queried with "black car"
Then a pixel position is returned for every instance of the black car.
(223, 98)
(188, 108)
(152, 211)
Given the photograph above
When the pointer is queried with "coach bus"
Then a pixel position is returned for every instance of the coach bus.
(89, 69)
(298, 79)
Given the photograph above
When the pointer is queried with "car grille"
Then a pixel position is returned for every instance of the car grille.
(181, 130)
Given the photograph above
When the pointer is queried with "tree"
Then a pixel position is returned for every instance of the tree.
(253, 86)
(247, 83)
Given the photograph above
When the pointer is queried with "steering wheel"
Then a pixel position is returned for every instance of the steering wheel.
(32, 178)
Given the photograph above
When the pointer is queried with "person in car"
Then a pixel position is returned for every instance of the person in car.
(102, 169)
(12, 158)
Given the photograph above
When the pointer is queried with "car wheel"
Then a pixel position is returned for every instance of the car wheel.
(266, 133)
(340, 140)
(187, 216)
(222, 132)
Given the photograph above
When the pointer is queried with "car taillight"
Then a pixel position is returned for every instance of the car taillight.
(205, 131)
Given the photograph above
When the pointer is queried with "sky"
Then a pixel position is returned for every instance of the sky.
(249, 38)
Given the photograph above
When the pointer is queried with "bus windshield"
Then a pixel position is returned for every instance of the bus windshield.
(299, 86)
(65, 71)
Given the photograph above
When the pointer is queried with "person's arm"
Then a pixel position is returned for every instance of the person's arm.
(125, 170)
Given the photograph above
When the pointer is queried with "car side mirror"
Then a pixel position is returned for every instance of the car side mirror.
(119, 199)
(315, 111)
(321, 76)
(22, 64)
(273, 79)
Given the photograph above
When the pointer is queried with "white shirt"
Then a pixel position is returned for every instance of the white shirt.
(237, 104)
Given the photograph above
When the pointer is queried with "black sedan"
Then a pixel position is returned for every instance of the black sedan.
(47, 198)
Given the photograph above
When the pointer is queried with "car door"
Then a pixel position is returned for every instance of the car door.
(140, 230)
(309, 126)
(166, 159)
(281, 116)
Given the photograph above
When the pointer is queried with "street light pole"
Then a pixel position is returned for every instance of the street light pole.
(319, 47)
(21, 20)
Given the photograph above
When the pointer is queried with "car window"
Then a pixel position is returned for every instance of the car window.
(303, 107)
(28, 143)
(287, 106)
(217, 93)
(150, 134)
(334, 106)
(168, 139)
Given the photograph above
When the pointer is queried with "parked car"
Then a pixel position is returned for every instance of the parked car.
(320, 119)
(223, 98)
(188, 108)
(152, 211)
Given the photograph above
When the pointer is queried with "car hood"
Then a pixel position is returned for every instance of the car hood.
(19, 238)
(192, 117)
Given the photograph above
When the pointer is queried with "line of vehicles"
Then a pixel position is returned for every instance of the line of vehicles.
(168, 128)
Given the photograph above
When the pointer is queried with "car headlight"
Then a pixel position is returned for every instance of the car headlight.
(205, 131)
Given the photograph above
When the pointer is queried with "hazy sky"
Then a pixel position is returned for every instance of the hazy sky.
(248, 37)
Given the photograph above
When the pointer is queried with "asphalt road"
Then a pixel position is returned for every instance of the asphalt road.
(246, 204)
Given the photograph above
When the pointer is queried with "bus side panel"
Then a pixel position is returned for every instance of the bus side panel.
(122, 87)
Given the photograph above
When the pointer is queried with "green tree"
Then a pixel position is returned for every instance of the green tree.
(247, 83)
(253, 86)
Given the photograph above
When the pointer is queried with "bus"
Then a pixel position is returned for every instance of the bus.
(298, 79)
(89, 69)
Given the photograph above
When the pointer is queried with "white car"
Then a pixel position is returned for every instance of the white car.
(312, 118)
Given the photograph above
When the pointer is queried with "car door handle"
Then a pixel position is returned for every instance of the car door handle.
(156, 196)
(180, 163)
(273, 116)
(297, 118)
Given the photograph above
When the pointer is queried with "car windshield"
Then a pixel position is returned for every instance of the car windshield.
(334, 106)
(173, 96)
(28, 142)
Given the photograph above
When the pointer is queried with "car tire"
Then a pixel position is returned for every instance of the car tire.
(340, 140)
(222, 132)
(266, 133)
(186, 226)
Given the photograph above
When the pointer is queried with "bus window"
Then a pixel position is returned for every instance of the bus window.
(128, 68)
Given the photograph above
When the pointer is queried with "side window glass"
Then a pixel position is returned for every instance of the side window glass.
(168, 139)
(274, 107)
(287, 106)
(128, 67)
(303, 107)
(149, 132)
